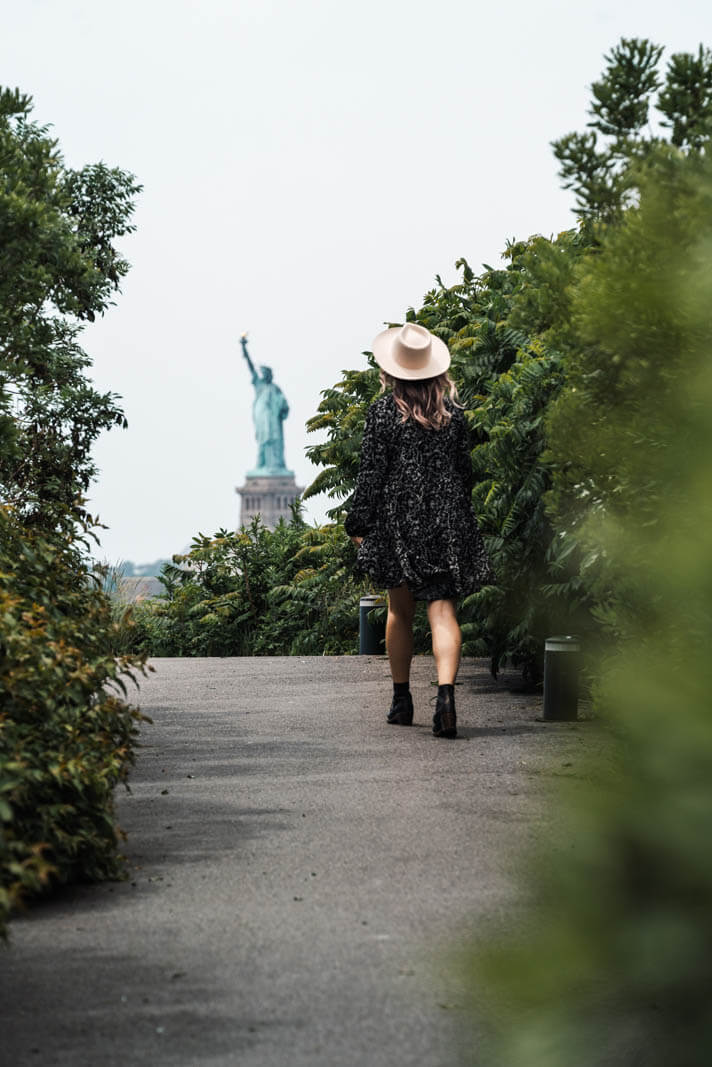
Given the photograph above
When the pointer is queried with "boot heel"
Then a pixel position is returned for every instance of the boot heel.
(448, 723)
(445, 718)
(401, 713)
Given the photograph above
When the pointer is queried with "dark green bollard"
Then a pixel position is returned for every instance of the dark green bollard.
(371, 637)
(561, 674)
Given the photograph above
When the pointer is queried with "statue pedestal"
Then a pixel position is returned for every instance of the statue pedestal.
(269, 496)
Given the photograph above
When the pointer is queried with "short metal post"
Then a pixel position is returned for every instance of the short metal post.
(371, 637)
(561, 674)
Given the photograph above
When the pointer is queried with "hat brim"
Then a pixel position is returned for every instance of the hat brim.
(383, 345)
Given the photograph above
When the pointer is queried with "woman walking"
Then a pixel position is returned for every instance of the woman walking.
(411, 512)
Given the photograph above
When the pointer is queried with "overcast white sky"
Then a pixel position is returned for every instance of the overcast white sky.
(308, 166)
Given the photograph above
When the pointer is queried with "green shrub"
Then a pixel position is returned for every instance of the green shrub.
(615, 962)
(66, 737)
(256, 592)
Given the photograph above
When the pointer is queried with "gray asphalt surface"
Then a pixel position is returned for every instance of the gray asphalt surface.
(299, 871)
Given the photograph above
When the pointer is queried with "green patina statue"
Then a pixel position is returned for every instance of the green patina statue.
(269, 410)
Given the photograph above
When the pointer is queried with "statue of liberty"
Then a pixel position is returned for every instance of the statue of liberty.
(269, 410)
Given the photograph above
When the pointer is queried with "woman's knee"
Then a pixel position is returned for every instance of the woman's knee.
(401, 614)
(401, 604)
(442, 611)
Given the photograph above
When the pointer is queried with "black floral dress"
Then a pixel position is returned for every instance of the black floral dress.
(412, 506)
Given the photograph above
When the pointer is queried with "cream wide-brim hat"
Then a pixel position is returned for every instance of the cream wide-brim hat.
(411, 352)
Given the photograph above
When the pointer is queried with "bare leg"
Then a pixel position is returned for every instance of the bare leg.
(399, 632)
(447, 639)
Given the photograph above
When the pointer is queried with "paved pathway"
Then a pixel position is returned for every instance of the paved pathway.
(298, 872)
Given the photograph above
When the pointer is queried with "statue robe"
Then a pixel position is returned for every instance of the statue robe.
(269, 410)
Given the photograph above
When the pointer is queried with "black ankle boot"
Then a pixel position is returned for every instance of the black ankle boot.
(445, 719)
(401, 713)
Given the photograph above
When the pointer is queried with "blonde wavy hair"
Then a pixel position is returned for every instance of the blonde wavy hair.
(423, 400)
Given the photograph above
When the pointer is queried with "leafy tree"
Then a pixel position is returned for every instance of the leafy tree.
(614, 962)
(58, 268)
(65, 738)
(602, 173)
(611, 425)
(686, 99)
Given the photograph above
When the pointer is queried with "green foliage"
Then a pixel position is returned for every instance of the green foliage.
(621, 98)
(508, 497)
(603, 174)
(58, 268)
(611, 425)
(65, 738)
(316, 609)
(341, 413)
(615, 963)
(686, 100)
(256, 592)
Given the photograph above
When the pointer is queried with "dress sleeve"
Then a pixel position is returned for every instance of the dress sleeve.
(367, 497)
(463, 454)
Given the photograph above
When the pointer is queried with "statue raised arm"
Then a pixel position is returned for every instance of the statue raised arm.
(253, 372)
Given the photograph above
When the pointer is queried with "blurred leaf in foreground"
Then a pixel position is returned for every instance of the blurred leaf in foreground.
(612, 961)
